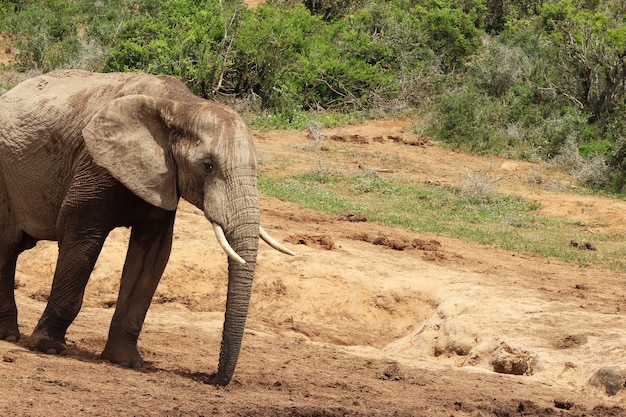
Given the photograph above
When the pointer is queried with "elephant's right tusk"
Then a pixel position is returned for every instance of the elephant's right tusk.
(221, 238)
(273, 243)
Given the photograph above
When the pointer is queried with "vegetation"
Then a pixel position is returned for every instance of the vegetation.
(536, 80)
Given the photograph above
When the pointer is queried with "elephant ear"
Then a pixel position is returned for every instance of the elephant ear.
(130, 137)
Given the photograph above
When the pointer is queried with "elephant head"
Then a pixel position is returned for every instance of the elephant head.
(200, 151)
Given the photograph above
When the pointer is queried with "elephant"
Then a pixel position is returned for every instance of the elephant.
(83, 153)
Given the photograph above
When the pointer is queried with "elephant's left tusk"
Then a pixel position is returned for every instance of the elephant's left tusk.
(273, 243)
(221, 238)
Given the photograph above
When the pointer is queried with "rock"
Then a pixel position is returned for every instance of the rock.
(611, 379)
(563, 403)
(508, 360)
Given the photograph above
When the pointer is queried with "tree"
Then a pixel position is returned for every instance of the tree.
(591, 55)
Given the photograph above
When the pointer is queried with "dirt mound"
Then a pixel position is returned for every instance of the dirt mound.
(323, 241)
(412, 140)
(398, 242)
(352, 218)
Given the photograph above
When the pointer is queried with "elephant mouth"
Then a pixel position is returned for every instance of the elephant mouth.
(221, 238)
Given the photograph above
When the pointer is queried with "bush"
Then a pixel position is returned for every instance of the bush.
(501, 67)
(452, 34)
(293, 60)
(270, 49)
(591, 171)
(45, 36)
(188, 39)
(332, 9)
(589, 50)
(468, 119)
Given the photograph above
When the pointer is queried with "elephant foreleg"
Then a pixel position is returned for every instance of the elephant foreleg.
(77, 256)
(148, 253)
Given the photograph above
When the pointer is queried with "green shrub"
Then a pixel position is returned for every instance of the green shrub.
(270, 47)
(127, 56)
(468, 119)
(45, 35)
(500, 67)
(589, 48)
(451, 34)
(188, 39)
(332, 9)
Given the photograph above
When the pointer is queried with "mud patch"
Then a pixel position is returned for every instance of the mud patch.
(398, 242)
(354, 218)
(322, 241)
(358, 139)
(418, 140)
(571, 341)
(563, 403)
(582, 246)
(392, 373)
(190, 302)
(40, 295)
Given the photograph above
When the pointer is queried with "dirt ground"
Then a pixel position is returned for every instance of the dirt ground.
(349, 326)
(5, 48)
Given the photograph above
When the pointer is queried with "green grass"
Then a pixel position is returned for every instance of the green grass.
(300, 119)
(501, 220)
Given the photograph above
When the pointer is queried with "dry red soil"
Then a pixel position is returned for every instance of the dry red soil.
(352, 325)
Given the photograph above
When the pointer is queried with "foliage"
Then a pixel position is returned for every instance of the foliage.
(552, 83)
(269, 48)
(590, 47)
(527, 78)
(286, 55)
(45, 38)
(185, 38)
(332, 9)
(453, 35)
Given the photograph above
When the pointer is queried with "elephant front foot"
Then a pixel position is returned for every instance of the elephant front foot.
(9, 330)
(125, 356)
(43, 342)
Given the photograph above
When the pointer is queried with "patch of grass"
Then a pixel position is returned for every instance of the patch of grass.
(300, 119)
(504, 221)
(310, 191)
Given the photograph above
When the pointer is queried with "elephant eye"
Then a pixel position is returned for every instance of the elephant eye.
(207, 166)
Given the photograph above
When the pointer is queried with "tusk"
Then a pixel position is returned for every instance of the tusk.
(273, 243)
(221, 238)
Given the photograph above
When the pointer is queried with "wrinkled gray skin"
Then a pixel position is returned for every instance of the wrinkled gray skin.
(83, 153)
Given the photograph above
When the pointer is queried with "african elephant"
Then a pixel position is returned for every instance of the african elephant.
(83, 153)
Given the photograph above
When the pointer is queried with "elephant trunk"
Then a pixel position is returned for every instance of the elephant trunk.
(243, 236)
